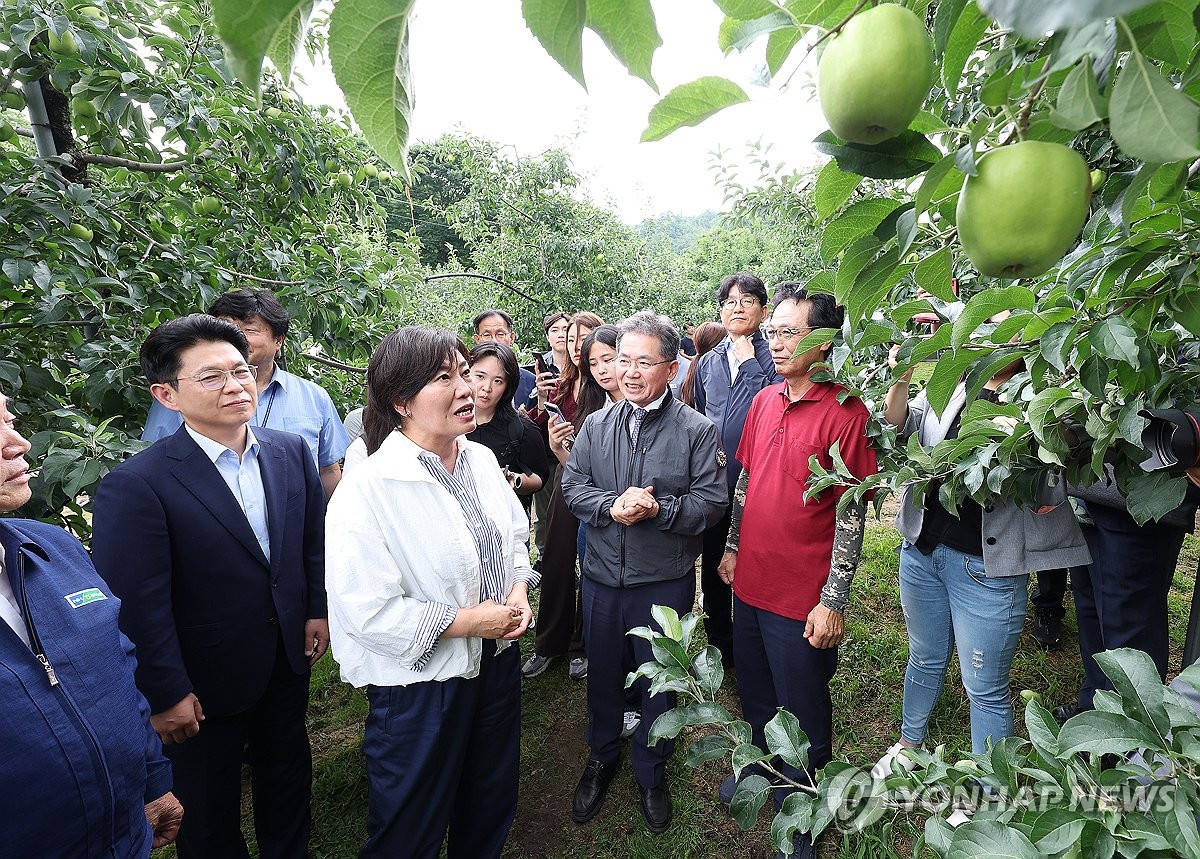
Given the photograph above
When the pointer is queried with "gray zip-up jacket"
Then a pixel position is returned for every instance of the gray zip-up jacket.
(679, 456)
(1016, 540)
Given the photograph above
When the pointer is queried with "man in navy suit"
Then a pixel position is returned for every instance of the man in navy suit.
(213, 538)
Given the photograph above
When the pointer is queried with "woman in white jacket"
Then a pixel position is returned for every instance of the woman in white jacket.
(428, 578)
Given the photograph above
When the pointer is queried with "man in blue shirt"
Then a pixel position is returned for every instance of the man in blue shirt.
(285, 401)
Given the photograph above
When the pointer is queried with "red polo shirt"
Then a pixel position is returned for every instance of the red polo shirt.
(786, 544)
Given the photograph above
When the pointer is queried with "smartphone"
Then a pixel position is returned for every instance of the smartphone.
(552, 409)
(539, 366)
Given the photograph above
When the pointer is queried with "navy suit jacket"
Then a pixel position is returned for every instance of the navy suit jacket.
(199, 599)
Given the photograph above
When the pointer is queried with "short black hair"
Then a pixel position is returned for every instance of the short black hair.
(748, 283)
(823, 309)
(160, 354)
(244, 304)
(512, 371)
(556, 316)
(478, 320)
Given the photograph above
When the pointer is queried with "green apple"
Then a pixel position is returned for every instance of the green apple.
(1098, 177)
(345, 179)
(875, 74)
(371, 170)
(7, 132)
(273, 112)
(82, 107)
(208, 206)
(94, 13)
(1024, 208)
(65, 45)
(1028, 695)
(385, 177)
(79, 231)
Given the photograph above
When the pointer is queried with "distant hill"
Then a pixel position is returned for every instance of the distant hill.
(679, 232)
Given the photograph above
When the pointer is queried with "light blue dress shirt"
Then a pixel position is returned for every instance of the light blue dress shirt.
(244, 479)
(288, 403)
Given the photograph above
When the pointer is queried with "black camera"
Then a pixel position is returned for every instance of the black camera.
(1172, 440)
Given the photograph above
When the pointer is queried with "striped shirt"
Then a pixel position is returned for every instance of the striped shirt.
(488, 544)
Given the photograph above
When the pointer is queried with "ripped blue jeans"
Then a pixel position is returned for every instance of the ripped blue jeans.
(948, 600)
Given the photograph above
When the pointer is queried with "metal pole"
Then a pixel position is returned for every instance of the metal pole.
(40, 120)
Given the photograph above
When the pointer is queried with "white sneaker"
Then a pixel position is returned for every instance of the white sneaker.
(883, 767)
(630, 723)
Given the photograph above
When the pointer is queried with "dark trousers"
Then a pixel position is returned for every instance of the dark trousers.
(1049, 592)
(208, 775)
(608, 614)
(444, 756)
(1121, 597)
(777, 667)
(718, 596)
(560, 617)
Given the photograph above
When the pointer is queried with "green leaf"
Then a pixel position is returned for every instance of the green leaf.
(779, 47)
(629, 30)
(902, 156)
(785, 738)
(1033, 19)
(368, 50)
(1173, 42)
(946, 375)
(968, 30)
(932, 274)
(558, 26)
(1104, 733)
(710, 748)
(820, 13)
(706, 665)
(1043, 728)
(990, 838)
(872, 284)
(1079, 103)
(1187, 307)
(860, 219)
(986, 304)
(691, 104)
(668, 621)
(856, 257)
(247, 28)
(931, 181)
(1150, 119)
(738, 35)
(1043, 406)
(289, 39)
(748, 800)
(1149, 497)
(1115, 338)
(746, 10)
(794, 816)
(1135, 678)
(833, 189)
(668, 652)
(944, 19)
(1055, 830)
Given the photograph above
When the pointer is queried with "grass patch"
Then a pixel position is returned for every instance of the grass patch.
(867, 700)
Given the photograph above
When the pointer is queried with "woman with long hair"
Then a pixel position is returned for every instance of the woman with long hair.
(428, 577)
(560, 623)
(705, 338)
(514, 438)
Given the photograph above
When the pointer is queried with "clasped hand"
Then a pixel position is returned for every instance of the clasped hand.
(634, 505)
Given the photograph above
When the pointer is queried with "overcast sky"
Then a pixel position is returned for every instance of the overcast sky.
(478, 69)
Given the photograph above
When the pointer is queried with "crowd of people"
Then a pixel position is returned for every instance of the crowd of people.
(258, 531)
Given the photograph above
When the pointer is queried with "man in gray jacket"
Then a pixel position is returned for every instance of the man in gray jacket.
(647, 477)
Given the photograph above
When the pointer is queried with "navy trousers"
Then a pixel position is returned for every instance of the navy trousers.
(777, 667)
(608, 613)
(1121, 597)
(443, 756)
(208, 775)
(718, 596)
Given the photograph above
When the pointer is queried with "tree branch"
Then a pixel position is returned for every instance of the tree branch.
(330, 362)
(127, 163)
(258, 279)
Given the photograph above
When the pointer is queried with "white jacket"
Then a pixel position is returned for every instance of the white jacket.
(396, 542)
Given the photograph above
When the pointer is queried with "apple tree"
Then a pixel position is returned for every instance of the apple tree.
(159, 184)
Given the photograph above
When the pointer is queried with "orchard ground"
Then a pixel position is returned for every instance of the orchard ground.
(866, 692)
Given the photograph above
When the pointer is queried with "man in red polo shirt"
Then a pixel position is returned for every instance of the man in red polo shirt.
(791, 562)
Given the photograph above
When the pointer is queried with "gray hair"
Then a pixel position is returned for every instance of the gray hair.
(653, 325)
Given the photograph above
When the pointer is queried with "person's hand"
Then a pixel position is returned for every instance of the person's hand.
(180, 722)
(894, 363)
(634, 505)
(743, 348)
(316, 638)
(164, 814)
(824, 627)
(489, 619)
(561, 435)
(518, 598)
(546, 383)
(727, 566)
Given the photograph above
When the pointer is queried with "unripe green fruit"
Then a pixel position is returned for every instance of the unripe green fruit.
(1098, 177)
(154, 278)
(7, 132)
(79, 231)
(93, 13)
(875, 74)
(385, 176)
(1024, 209)
(208, 206)
(1028, 695)
(345, 179)
(273, 112)
(81, 107)
(13, 100)
(371, 170)
(65, 45)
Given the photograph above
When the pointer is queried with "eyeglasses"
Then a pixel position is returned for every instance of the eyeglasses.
(784, 334)
(643, 365)
(746, 301)
(214, 380)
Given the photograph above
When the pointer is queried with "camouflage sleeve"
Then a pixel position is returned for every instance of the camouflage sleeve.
(735, 519)
(847, 550)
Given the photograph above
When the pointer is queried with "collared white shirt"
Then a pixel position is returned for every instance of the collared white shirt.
(649, 407)
(10, 609)
(734, 361)
(244, 478)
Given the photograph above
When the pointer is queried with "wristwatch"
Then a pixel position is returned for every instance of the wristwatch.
(516, 484)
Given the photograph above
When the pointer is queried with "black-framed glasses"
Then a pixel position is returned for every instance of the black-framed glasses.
(746, 301)
(643, 365)
(785, 334)
(214, 380)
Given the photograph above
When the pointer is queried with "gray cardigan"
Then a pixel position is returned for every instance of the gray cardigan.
(1015, 539)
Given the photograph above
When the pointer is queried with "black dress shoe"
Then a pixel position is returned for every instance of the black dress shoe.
(1046, 630)
(592, 788)
(656, 807)
(1065, 711)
